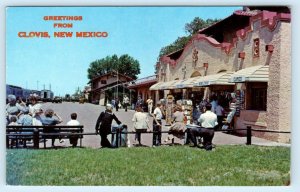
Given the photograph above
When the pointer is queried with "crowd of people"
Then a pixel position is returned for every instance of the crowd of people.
(31, 113)
(208, 115)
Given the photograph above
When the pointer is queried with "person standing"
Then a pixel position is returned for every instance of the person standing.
(157, 116)
(208, 121)
(150, 105)
(220, 115)
(117, 104)
(126, 102)
(140, 123)
(105, 120)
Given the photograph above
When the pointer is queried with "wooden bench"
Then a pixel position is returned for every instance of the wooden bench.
(17, 133)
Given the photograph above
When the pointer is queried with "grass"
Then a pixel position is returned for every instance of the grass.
(140, 166)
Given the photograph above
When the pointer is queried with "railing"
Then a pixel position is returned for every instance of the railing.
(37, 132)
(248, 130)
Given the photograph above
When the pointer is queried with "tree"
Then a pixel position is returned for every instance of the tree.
(194, 26)
(124, 64)
(128, 66)
(178, 44)
(191, 28)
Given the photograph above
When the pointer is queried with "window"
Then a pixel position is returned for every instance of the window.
(103, 82)
(258, 96)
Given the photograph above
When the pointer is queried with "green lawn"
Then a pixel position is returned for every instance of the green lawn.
(143, 166)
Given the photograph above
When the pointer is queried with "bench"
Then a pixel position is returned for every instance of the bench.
(17, 133)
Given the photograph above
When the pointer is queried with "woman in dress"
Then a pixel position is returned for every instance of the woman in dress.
(140, 123)
(178, 127)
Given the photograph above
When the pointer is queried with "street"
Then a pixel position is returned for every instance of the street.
(87, 115)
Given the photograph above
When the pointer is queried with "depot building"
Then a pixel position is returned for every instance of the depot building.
(249, 54)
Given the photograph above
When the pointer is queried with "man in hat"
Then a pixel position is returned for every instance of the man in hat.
(105, 120)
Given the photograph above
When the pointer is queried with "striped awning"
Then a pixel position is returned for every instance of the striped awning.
(164, 85)
(185, 83)
(156, 86)
(216, 79)
(259, 73)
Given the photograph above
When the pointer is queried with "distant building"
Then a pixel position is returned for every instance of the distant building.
(141, 88)
(109, 81)
(47, 95)
(87, 92)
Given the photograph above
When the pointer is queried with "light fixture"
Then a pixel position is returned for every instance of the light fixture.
(242, 55)
(205, 65)
(270, 48)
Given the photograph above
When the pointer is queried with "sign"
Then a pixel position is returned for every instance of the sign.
(180, 86)
(203, 83)
(238, 79)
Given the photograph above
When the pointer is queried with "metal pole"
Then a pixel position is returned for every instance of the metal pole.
(118, 85)
(117, 139)
(249, 135)
(36, 138)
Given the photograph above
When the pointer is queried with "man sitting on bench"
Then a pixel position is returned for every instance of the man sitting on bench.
(208, 121)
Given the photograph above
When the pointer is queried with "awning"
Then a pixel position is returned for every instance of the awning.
(163, 85)
(185, 83)
(259, 73)
(168, 85)
(216, 79)
(156, 86)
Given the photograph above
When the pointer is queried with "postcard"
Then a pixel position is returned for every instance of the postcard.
(132, 96)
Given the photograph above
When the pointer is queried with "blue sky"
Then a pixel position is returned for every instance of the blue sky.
(63, 62)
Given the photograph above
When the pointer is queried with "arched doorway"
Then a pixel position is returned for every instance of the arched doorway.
(196, 74)
(222, 71)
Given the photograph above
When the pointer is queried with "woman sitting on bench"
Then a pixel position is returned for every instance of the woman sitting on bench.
(50, 120)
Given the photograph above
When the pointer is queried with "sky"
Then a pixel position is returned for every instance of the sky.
(62, 63)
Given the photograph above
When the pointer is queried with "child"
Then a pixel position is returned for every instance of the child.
(73, 121)
(13, 120)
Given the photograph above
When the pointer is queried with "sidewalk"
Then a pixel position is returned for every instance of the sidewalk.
(228, 139)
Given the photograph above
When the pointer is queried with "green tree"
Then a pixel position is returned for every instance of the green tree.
(179, 43)
(190, 28)
(124, 64)
(194, 26)
(128, 66)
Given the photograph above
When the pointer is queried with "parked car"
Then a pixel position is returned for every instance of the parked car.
(57, 100)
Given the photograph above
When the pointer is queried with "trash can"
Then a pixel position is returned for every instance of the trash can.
(122, 139)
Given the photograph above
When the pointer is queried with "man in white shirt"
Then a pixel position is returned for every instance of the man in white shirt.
(73, 121)
(157, 116)
(208, 121)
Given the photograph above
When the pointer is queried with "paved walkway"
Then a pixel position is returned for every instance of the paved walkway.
(88, 114)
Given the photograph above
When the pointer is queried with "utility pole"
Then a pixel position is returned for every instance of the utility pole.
(117, 84)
